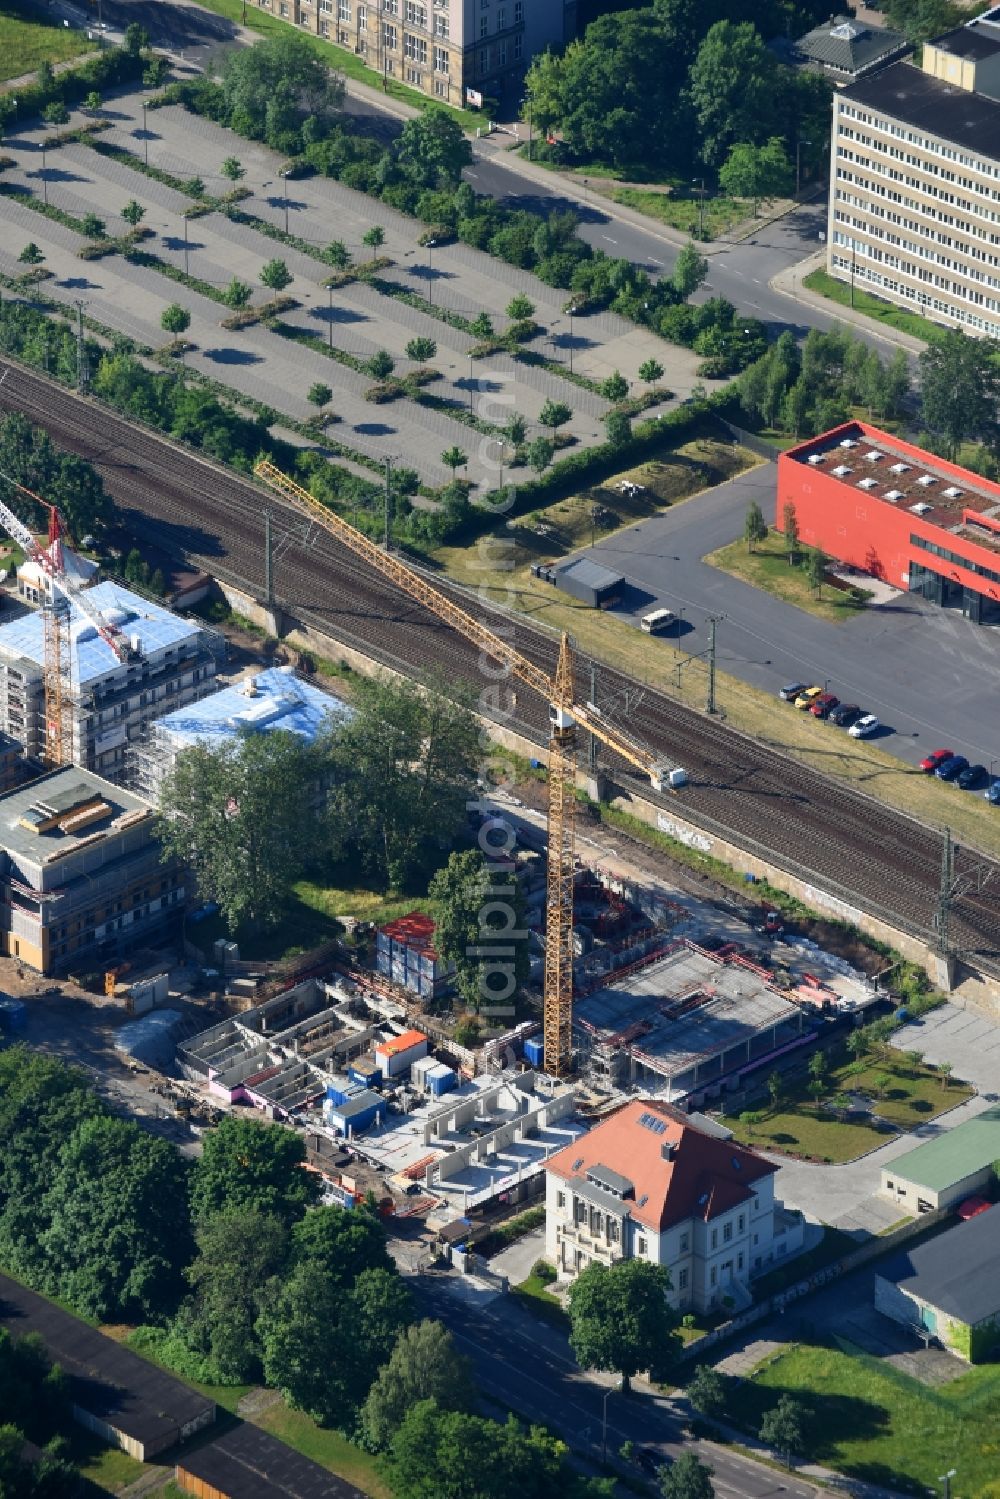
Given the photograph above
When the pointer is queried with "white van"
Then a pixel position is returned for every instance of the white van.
(657, 622)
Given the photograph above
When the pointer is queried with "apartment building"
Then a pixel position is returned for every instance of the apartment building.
(649, 1184)
(458, 51)
(915, 181)
(81, 879)
(109, 702)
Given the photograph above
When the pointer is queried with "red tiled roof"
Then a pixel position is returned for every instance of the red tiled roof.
(705, 1176)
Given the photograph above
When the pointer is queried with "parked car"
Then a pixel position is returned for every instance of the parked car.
(972, 1207)
(934, 759)
(972, 778)
(844, 714)
(805, 699)
(820, 706)
(865, 725)
(992, 793)
(951, 769)
(791, 691)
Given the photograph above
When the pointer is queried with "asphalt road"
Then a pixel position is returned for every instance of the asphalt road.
(526, 1366)
(930, 676)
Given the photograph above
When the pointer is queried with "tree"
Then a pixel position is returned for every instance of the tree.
(750, 1119)
(454, 458)
(782, 1427)
(706, 1391)
(233, 1277)
(338, 255)
(517, 429)
(554, 414)
(93, 227)
(816, 566)
(235, 812)
(618, 428)
(442, 1454)
(960, 390)
(275, 275)
(520, 308)
(481, 326)
(133, 213)
(687, 1477)
(404, 769)
(249, 1166)
(136, 39)
(194, 187)
(433, 149)
(319, 395)
(323, 1347)
(883, 1081)
(945, 1069)
(690, 270)
(374, 237)
(615, 387)
(816, 1066)
(31, 254)
(754, 527)
(233, 169)
(237, 294)
(858, 1043)
(424, 1365)
(55, 113)
(733, 88)
(540, 453)
(650, 371)
(342, 1243)
(421, 349)
(757, 172)
(117, 1233)
(381, 365)
(816, 1088)
(915, 1060)
(620, 1319)
(273, 90)
(775, 1088)
(93, 103)
(790, 527)
(480, 907)
(175, 319)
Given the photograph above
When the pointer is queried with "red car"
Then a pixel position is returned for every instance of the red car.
(820, 706)
(934, 759)
(972, 1207)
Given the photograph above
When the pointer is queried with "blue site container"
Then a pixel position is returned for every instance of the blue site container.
(534, 1051)
(366, 1075)
(13, 1014)
(441, 1080)
(335, 1094)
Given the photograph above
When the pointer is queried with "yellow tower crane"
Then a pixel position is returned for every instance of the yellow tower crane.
(564, 715)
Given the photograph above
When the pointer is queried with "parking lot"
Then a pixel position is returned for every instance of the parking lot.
(357, 319)
(932, 678)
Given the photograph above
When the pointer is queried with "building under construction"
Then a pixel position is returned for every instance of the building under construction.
(263, 702)
(688, 1024)
(81, 877)
(107, 702)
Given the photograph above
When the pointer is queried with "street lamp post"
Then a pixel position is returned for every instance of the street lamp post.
(798, 163)
(329, 321)
(946, 1478)
(701, 207)
(430, 270)
(612, 1390)
(185, 245)
(284, 184)
(571, 338)
(45, 177)
(471, 382)
(531, 138)
(145, 130)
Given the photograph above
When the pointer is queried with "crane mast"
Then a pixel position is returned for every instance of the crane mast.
(564, 716)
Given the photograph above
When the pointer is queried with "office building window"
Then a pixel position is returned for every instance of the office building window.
(389, 38)
(440, 60)
(682, 1280)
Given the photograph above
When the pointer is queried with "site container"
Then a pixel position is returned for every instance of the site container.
(357, 1114)
(365, 1071)
(13, 1014)
(398, 1055)
(534, 1051)
(441, 1079)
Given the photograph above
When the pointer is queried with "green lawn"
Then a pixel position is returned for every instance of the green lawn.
(108, 1469)
(683, 212)
(539, 1299)
(912, 1095)
(339, 58)
(27, 40)
(768, 568)
(328, 1448)
(872, 306)
(873, 1422)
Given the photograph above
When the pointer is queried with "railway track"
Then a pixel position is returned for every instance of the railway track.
(773, 805)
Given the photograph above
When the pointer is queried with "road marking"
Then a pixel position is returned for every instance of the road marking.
(473, 175)
(756, 280)
(735, 271)
(609, 239)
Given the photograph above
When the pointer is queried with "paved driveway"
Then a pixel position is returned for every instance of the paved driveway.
(931, 676)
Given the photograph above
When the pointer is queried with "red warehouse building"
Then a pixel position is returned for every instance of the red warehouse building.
(898, 513)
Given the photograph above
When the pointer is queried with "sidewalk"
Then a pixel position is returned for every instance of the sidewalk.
(790, 281)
